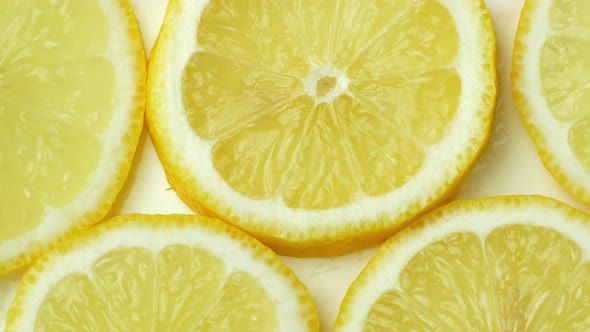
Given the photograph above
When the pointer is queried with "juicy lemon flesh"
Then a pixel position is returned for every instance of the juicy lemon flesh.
(181, 288)
(565, 72)
(320, 103)
(520, 278)
(55, 99)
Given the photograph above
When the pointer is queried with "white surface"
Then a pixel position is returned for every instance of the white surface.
(510, 166)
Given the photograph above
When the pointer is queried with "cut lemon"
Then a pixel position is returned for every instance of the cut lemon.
(514, 263)
(72, 90)
(320, 127)
(161, 273)
(551, 87)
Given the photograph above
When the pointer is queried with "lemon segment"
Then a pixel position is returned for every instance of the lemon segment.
(48, 31)
(210, 97)
(357, 26)
(573, 301)
(564, 70)
(133, 290)
(73, 299)
(244, 303)
(178, 298)
(184, 273)
(254, 32)
(569, 17)
(479, 265)
(407, 97)
(535, 261)
(124, 280)
(305, 121)
(244, 154)
(422, 36)
(38, 174)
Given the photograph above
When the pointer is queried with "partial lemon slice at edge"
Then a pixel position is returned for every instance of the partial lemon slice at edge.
(550, 71)
(174, 272)
(77, 83)
(517, 263)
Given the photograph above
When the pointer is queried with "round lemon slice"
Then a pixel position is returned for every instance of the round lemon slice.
(320, 127)
(161, 273)
(551, 87)
(514, 263)
(72, 96)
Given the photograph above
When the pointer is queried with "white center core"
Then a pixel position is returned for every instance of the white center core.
(318, 73)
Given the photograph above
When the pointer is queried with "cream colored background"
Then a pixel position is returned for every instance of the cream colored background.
(510, 166)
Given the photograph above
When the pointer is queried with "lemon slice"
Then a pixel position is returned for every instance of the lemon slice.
(514, 263)
(551, 87)
(161, 273)
(72, 95)
(320, 127)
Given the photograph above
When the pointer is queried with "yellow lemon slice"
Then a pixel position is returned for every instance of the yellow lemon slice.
(161, 273)
(497, 264)
(551, 87)
(72, 90)
(320, 126)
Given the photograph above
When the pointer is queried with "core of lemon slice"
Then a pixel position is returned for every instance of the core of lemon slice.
(72, 95)
(551, 87)
(320, 126)
(161, 273)
(514, 263)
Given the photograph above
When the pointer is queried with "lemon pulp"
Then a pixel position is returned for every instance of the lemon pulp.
(321, 103)
(519, 278)
(181, 288)
(565, 72)
(55, 100)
